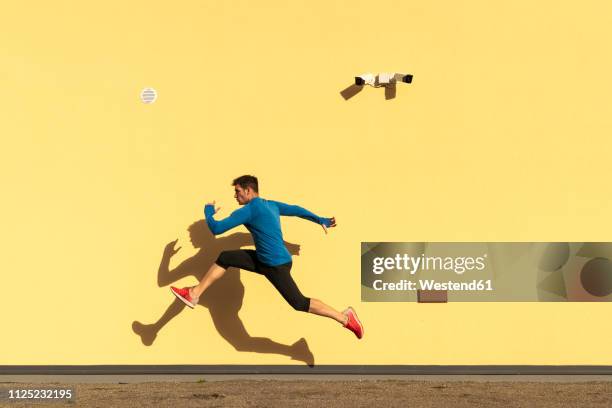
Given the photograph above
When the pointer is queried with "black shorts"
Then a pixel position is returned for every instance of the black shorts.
(279, 276)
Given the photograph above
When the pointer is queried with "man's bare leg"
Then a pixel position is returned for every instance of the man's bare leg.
(319, 308)
(213, 273)
(316, 306)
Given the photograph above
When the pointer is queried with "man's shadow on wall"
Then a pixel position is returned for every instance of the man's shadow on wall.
(223, 299)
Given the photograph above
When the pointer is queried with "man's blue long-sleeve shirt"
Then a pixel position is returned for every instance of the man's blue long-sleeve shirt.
(262, 218)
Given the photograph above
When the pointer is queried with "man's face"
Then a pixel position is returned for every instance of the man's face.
(242, 195)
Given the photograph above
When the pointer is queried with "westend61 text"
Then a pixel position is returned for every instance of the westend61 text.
(430, 284)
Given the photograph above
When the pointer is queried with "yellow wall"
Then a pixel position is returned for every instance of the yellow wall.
(503, 136)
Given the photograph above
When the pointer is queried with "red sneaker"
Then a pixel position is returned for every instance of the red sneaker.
(183, 295)
(353, 323)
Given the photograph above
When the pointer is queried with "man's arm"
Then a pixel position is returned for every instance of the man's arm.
(238, 217)
(297, 211)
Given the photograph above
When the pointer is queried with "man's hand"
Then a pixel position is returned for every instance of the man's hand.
(332, 223)
(216, 208)
(169, 250)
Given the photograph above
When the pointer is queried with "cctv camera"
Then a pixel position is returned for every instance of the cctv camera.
(365, 79)
(406, 78)
(385, 78)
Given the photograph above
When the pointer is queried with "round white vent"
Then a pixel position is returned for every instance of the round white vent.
(148, 95)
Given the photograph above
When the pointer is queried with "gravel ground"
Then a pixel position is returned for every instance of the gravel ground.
(350, 394)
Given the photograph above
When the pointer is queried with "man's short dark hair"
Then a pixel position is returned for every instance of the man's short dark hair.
(247, 181)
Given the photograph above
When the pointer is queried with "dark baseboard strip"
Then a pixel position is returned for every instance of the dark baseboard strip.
(295, 369)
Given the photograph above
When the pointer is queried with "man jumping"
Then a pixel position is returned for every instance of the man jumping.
(270, 257)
